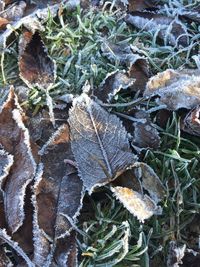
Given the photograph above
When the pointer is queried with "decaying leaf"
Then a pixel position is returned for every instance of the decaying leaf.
(176, 89)
(58, 195)
(191, 14)
(112, 84)
(37, 69)
(99, 143)
(129, 187)
(170, 30)
(191, 123)
(23, 167)
(145, 134)
(3, 23)
(175, 254)
(141, 206)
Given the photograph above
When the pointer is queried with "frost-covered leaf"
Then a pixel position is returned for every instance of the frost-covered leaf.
(176, 89)
(139, 5)
(7, 239)
(58, 195)
(129, 56)
(129, 187)
(191, 14)
(4, 260)
(37, 69)
(99, 143)
(14, 11)
(170, 30)
(14, 138)
(145, 134)
(141, 206)
(175, 254)
(191, 123)
(112, 84)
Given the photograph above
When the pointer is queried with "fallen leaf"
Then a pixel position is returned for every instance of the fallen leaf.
(58, 194)
(6, 161)
(14, 11)
(141, 206)
(36, 67)
(175, 254)
(129, 56)
(112, 84)
(140, 5)
(99, 143)
(4, 260)
(170, 30)
(176, 89)
(23, 167)
(191, 123)
(191, 14)
(145, 134)
(129, 189)
(7, 239)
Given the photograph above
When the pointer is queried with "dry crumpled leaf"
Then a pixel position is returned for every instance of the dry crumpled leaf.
(139, 5)
(37, 69)
(23, 168)
(129, 186)
(176, 89)
(191, 122)
(112, 84)
(99, 143)
(170, 30)
(6, 161)
(175, 254)
(129, 56)
(58, 196)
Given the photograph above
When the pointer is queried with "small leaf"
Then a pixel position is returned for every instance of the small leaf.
(175, 254)
(58, 194)
(23, 169)
(4, 260)
(112, 84)
(143, 207)
(176, 89)
(140, 5)
(99, 143)
(170, 30)
(37, 69)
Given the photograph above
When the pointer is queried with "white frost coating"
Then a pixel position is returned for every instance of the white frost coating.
(6, 238)
(6, 168)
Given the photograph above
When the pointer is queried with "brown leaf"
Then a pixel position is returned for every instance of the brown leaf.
(23, 169)
(6, 161)
(37, 69)
(172, 31)
(99, 143)
(112, 84)
(139, 5)
(130, 56)
(145, 134)
(176, 89)
(4, 260)
(191, 123)
(57, 195)
(14, 11)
